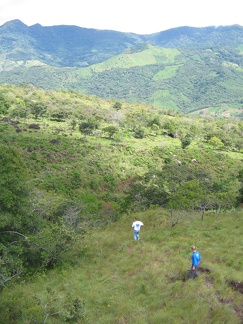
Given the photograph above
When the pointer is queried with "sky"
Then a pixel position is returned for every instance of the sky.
(135, 16)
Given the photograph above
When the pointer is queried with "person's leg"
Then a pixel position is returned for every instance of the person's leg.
(192, 274)
(138, 237)
(196, 274)
(135, 235)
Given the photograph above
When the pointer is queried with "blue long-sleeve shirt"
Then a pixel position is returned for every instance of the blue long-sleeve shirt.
(196, 258)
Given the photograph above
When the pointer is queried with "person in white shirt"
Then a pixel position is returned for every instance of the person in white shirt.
(136, 225)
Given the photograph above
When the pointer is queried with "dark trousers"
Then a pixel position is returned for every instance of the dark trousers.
(193, 273)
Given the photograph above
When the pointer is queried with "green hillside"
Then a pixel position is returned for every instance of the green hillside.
(181, 80)
(74, 171)
(140, 56)
(189, 70)
(204, 82)
(105, 277)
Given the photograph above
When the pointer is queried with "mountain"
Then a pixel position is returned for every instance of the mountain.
(63, 46)
(72, 46)
(184, 69)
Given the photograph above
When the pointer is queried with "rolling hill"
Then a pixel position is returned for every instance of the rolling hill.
(186, 69)
(75, 170)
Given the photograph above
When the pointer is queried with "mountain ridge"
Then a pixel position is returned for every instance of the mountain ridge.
(205, 73)
(109, 43)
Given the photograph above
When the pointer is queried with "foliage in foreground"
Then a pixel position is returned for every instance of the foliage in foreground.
(108, 278)
(70, 162)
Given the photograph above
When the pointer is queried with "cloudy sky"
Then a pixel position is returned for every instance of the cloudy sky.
(137, 16)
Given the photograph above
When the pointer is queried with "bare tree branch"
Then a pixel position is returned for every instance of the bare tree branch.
(14, 232)
(3, 281)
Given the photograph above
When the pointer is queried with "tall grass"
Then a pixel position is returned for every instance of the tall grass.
(109, 278)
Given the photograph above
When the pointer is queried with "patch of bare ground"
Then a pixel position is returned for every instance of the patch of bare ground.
(204, 270)
(236, 286)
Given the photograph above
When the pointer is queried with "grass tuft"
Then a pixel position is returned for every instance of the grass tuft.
(109, 278)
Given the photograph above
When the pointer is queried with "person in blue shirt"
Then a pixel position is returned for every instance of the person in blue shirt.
(136, 225)
(196, 258)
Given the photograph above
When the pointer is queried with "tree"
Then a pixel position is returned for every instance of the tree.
(154, 121)
(13, 174)
(240, 194)
(185, 141)
(58, 115)
(37, 109)
(139, 132)
(19, 110)
(117, 105)
(13, 219)
(73, 124)
(188, 187)
(215, 142)
(111, 130)
(87, 127)
(27, 240)
(4, 105)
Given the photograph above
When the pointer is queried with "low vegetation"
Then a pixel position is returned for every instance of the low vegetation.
(106, 277)
(74, 171)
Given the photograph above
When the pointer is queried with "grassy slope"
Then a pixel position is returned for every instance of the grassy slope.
(118, 280)
(115, 279)
(151, 55)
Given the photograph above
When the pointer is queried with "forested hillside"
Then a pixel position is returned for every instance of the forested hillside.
(185, 69)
